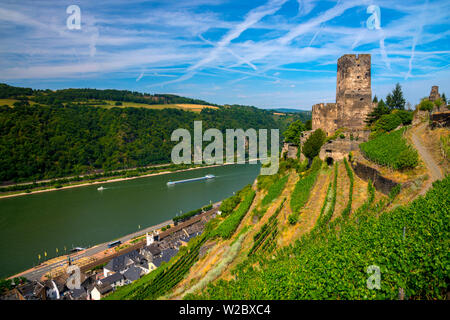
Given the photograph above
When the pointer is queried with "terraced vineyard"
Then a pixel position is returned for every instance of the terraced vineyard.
(265, 239)
(300, 195)
(227, 228)
(332, 263)
(399, 155)
(330, 201)
(348, 208)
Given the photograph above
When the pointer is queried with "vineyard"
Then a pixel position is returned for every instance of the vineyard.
(300, 195)
(348, 208)
(331, 263)
(330, 201)
(392, 150)
(274, 190)
(265, 239)
(228, 226)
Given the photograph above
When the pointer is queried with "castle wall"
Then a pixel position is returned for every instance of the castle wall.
(353, 90)
(353, 96)
(324, 116)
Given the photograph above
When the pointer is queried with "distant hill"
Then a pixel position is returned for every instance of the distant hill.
(287, 110)
(49, 134)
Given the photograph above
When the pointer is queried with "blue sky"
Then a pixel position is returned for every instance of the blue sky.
(268, 53)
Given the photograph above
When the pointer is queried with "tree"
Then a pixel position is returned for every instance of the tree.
(376, 114)
(444, 99)
(308, 125)
(292, 134)
(395, 100)
(426, 105)
(375, 99)
(312, 145)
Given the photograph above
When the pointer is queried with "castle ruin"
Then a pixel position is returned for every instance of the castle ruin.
(349, 112)
(353, 96)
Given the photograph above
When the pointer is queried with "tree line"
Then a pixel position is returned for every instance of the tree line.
(50, 141)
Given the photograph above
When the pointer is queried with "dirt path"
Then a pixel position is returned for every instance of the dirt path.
(430, 163)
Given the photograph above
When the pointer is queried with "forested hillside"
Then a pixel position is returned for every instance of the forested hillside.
(53, 137)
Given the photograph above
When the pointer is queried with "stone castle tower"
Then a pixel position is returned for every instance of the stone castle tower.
(353, 96)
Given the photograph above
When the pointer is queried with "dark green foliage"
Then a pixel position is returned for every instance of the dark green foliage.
(7, 91)
(331, 263)
(45, 142)
(190, 214)
(390, 149)
(395, 100)
(377, 112)
(388, 122)
(404, 115)
(312, 145)
(426, 105)
(375, 99)
(8, 284)
(308, 125)
(292, 134)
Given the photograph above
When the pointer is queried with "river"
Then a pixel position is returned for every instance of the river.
(82, 217)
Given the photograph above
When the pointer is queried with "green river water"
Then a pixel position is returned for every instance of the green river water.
(82, 217)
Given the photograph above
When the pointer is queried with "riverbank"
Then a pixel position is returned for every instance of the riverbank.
(109, 180)
(55, 266)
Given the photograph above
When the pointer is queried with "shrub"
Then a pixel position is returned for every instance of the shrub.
(426, 105)
(405, 116)
(438, 102)
(407, 159)
(388, 122)
(312, 145)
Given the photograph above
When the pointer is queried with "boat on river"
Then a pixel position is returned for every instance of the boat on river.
(208, 176)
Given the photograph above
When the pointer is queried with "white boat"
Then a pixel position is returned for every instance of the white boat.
(101, 188)
(208, 176)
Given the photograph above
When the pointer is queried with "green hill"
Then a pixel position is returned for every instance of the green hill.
(48, 134)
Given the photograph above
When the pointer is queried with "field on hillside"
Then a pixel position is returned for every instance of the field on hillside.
(125, 104)
(10, 102)
(183, 106)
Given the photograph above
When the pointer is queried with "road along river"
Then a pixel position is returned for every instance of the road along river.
(54, 222)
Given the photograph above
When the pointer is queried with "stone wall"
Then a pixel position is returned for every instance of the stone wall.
(353, 90)
(324, 116)
(291, 150)
(380, 182)
(353, 96)
(337, 149)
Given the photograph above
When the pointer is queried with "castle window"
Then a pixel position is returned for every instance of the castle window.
(361, 99)
(358, 77)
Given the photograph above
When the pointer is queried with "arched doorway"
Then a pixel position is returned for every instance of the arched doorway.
(329, 161)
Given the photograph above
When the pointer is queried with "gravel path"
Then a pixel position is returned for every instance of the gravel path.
(432, 166)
